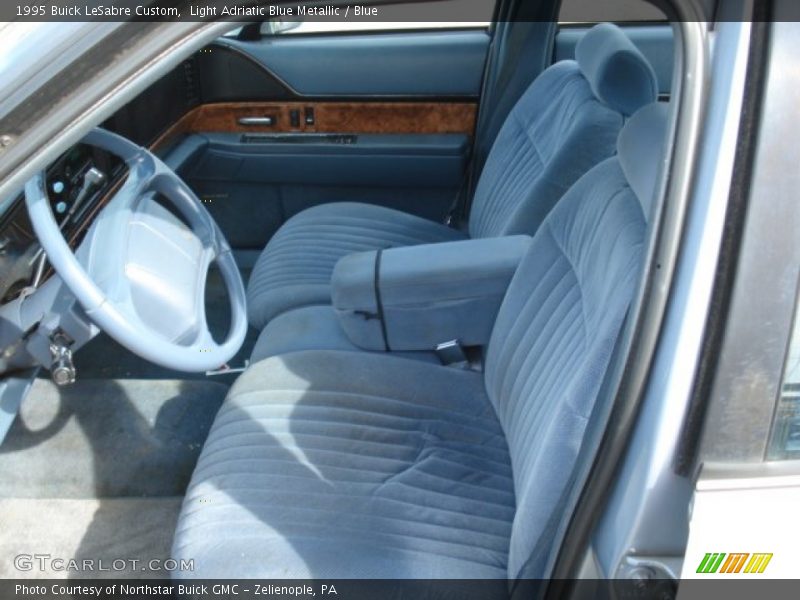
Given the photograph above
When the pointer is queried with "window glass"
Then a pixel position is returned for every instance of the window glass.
(784, 440)
(614, 11)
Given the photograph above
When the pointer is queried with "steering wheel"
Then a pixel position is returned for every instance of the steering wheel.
(140, 273)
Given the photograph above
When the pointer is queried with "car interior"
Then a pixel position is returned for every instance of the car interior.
(333, 304)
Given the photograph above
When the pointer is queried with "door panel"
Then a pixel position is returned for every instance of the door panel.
(253, 182)
(654, 41)
(379, 118)
(438, 64)
(405, 161)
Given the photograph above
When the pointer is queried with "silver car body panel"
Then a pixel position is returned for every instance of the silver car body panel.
(647, 518)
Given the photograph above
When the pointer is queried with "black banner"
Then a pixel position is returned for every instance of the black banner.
(467, 11)
(351, 589)
(367, 11)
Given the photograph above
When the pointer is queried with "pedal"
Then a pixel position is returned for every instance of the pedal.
(227, 370)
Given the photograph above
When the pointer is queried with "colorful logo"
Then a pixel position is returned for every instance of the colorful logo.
(741, 562)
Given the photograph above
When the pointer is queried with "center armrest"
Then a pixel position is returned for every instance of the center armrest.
(416, 297)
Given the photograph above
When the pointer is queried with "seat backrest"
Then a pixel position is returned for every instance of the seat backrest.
(564, 124)
(559, 321)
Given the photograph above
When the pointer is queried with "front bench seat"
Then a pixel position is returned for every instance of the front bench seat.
(336, 464)
(564, 124)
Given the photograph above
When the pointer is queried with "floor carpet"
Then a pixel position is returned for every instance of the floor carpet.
(97, 471)
(106, 531)
(107, 438)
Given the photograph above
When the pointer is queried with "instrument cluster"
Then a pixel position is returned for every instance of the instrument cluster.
(77, 183)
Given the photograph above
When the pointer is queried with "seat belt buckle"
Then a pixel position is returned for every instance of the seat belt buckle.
(451, 353)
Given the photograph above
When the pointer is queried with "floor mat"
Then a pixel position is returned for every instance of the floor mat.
(107, 438)
(120, 535)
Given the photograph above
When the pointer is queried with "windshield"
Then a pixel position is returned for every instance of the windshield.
(26, 52)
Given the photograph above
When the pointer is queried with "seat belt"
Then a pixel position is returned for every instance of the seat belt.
(457, 212)
(519, 31)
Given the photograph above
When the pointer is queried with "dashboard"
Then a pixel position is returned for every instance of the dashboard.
(82, 178)
(77, 183)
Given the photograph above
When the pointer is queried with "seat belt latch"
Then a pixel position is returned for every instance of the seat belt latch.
(451, 353)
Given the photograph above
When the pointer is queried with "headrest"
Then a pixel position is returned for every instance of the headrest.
(641, 150)
(619, 75)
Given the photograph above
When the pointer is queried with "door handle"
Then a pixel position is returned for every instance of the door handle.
(256, 121)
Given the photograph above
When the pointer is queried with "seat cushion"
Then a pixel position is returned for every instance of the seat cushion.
(565, 123)
(317, 468)
(553, 339)
(337, 464)
(556, 132)
(295, 268)
(556, 330)
(312, 328)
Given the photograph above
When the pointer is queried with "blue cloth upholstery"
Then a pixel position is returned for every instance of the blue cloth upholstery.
(312, 328)
(642, 154)
(553, 338)
(429, 294)
(616, 70)
(564, 124)
(295, 268)
(304, 328)
(355, 464)
(315, 467)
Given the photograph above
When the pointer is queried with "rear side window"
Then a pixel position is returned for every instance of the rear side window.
(615, 11)
(784, 442)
